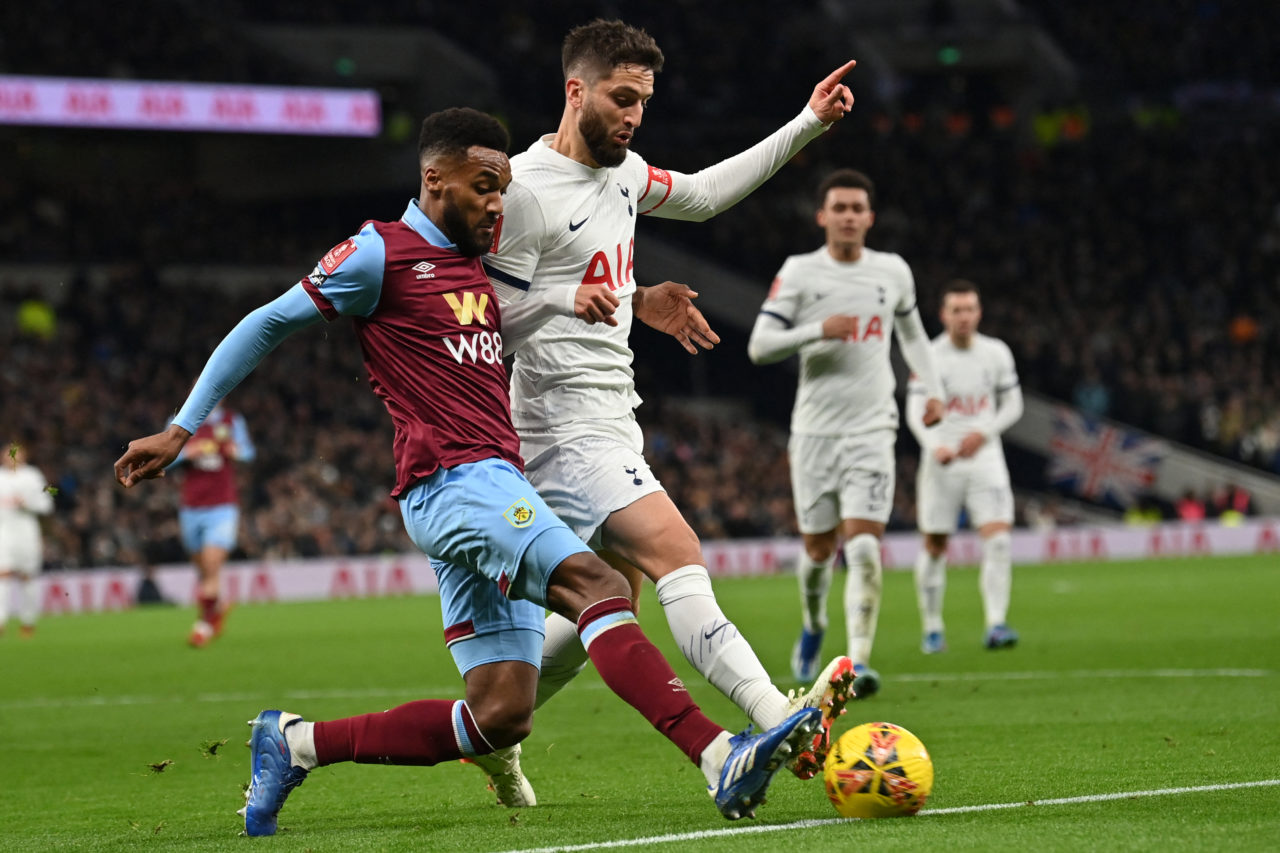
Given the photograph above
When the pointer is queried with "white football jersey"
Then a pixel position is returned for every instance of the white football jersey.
(565, 224)
(846, 386)
(972, 380)
(23, 496)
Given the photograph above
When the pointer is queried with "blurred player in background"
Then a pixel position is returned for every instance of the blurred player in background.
(24, 495)
(837, 307)
(209, 510)
(569, 228)
(962, 465)
(433, 345)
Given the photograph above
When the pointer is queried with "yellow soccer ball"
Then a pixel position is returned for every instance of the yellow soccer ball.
(878, 770)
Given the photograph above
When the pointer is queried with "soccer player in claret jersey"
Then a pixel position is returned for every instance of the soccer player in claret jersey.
(837, 306)
(209, 510)
(962, 466)
(432, 343)
(569, 227)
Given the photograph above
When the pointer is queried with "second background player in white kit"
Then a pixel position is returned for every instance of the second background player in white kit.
(962, 465)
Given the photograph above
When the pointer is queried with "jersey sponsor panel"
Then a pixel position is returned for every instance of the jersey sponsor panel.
(973, 378)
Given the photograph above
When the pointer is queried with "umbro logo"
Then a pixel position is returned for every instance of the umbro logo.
(424, 270)
(574, 226)
(678, 685)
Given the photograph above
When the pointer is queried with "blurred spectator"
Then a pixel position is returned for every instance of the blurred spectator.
(1144, 512)
(1230, 504)
(1189, 507)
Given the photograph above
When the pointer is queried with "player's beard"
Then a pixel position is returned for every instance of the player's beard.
(600, 143)
(455, 227)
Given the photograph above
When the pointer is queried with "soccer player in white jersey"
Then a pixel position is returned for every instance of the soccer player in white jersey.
(24, 495)
(962, 465)
(568, 229)
(837, 307)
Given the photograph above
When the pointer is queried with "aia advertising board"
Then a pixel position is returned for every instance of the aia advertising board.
(223, 108)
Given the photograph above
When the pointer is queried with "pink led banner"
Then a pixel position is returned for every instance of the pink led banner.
(226, 108)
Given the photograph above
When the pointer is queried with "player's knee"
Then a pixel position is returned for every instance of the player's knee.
(820, 548)
(581, 580)
(863, 550)
(998, 546)
(935, 544)
(503, 723)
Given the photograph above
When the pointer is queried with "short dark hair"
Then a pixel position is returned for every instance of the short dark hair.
(593, 50)
(451, 132)
(847, 178)
(960, 285)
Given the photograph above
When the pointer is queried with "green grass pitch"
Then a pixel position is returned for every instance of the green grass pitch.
(1130, 677)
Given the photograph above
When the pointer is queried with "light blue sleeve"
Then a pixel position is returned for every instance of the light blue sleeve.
(348, 279)
(245, 451)
(240, 351)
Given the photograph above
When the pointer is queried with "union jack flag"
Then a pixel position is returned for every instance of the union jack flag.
(1102, 462)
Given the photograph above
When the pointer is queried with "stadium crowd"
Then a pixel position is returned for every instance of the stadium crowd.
(1133, 265)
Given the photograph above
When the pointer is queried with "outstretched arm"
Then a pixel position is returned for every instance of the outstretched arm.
(233, 359)
(713, 190)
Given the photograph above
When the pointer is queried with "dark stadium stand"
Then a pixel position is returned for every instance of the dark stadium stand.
(1127, 240)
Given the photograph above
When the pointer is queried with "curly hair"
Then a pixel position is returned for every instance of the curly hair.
(451, 132)
(593, 50)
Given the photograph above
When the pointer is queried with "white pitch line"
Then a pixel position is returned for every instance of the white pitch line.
(811, 824)
(411, 692)
(1080, 673)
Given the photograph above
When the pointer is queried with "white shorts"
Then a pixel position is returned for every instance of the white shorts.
(979, 485)
(839, 477)
(587, 470)
(20, 551)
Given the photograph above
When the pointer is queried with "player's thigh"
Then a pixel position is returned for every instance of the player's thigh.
(481, 625)
(588, 471)
(210, 525)
(20, 555)
(867, 469)
(815, 482)
(940, 494)
(483, 517)
(651, 534)
(989, 496)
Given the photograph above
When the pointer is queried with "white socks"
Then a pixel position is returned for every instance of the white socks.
(713, 758)
(815, 582)
(707, 638)
(997, 577)
(30, 607)
(862, 594)
(28, 598)
(931, 585)
(713, 645)
(301, 737)
(563, 657)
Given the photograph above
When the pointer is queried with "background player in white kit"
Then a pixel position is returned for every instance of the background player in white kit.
(962, 465)
(837, 307)
(568, 229)
(24, 494)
